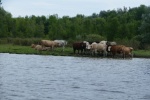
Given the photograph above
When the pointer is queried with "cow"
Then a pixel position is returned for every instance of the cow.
(93, 48)
(111, 43)
(115, 49)
(80, 46)
(103, 42)
(39, 47)
(88, 47)
(99, 48)
(62, 43)
(33, 45)
(127, 52)
(48, 43)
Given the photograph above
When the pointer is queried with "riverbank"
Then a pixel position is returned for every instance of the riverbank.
(17, 49)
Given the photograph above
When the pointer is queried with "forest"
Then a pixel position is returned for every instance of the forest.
(126, 25)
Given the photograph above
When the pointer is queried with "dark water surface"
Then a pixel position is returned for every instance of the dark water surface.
(36, 77)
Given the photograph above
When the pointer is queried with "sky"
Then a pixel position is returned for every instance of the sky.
(69, 8)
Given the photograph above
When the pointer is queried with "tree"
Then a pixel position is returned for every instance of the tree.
(0, 3)
(117, 24)
(112, 28)
(145, 28)
(5, 23)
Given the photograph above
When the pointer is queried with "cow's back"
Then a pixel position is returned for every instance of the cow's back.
(76, 45)
(101, 47)
(47, 43)
(127, 50)
(93, 46)
(80, 46)
(116, 48)
(61, 42)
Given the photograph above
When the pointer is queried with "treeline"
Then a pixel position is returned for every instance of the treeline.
(127, 24)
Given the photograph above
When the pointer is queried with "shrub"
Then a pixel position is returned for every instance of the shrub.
(3, 41)
(94, 37)
(20, 41)
(132, 43)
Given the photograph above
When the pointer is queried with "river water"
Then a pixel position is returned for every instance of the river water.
(38, 77)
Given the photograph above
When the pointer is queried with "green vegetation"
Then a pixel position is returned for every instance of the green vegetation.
(17, 49)
(9, 48)
(127, 24)
(142, 53)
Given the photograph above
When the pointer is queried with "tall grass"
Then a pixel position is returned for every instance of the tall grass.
(20, 41)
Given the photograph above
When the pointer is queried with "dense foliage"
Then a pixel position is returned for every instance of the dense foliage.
(128, 24)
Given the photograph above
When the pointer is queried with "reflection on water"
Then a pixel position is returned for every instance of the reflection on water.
(35, 77)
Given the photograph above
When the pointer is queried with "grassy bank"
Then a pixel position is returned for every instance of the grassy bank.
(142, 53)
(9, 48)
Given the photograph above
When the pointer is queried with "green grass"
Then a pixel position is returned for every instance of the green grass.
(9, 48)
(142, 53)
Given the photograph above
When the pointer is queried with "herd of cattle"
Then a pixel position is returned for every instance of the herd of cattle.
(103, 48)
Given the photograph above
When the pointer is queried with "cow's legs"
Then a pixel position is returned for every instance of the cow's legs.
(74, 51)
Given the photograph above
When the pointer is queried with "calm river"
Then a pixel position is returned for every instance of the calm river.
(38, 77)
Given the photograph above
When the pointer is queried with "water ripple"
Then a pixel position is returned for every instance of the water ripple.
(35, 77)
(112, 91)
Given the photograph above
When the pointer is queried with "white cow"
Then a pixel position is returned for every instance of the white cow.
(102, 48)
(99, 47)
(103, 42)
(111, 43)
(88, 46)
(62, 43)
(93, 48)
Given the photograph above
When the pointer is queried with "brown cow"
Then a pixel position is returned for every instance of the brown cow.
(115, 49)
(33, 45)
(127, 52)
(37, 47)
(48, 43)
(80, 46)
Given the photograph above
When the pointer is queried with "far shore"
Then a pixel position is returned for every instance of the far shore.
(17, 49)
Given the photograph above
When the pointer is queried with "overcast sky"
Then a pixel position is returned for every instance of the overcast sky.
(66, 7)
